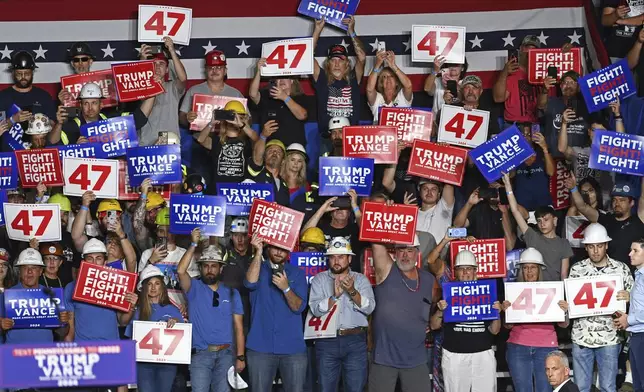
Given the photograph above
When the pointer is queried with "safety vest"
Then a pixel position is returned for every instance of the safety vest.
(63, 135)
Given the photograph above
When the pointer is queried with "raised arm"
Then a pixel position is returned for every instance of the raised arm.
(436, 265)
(461, 218)
(361, 57)
(540, 140)
(128, 249)
(589, 212)
(317, 31)
(499, 91)
(182, 269)
(252, 275)
(640, 206)
(514, 206)
(141, 232)
(204, 137)
(78, 227)
(542, 101)
(179, 69)
(253, 90)
(562, 139)
(430, 85)
(57, 129)
(382, 262)
(615, 108)
(407, 87)
(633, 56)
(372, 81)
(324, 208)
(259, 147)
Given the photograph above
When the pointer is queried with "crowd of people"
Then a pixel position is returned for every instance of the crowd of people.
(245, 300)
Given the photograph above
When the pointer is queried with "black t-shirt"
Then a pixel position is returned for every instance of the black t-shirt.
(36, 96)
(350, 232)
(467, 338)
(72, 130)
(339, 99)
(620, 38)
(291, 130)
(230, 161)
(577, 129)
(623, 233)
(260, 175)
(485, 222)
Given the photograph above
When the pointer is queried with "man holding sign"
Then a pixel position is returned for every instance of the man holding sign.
(594, 338)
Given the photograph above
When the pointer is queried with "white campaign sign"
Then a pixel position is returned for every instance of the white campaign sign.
(575, 228)
(288, 57)
(322, 327)
(534, 302)
(27, 221)
(428, 42)
(100, 176)
(465, 128)
(594, 295)
(158, 21)
(156, 343)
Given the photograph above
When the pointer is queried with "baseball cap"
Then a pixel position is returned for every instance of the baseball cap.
(161, 57)
(215, 58)
(531, 40)
(337, 51)
(623, 189)
(472, 79)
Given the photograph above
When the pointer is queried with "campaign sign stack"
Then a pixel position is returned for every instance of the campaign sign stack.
(470, 301)
(240, 196)
(207, 213)
(8, 171)
(114, 135)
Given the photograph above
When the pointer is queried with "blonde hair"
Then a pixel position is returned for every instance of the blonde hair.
(380, 83)
(223, 128)
(300, 179)
(296, 87)
(521, 278)
(329, 76)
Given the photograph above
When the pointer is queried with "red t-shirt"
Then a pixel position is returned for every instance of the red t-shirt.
(521, 105)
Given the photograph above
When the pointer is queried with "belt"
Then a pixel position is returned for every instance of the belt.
(213, 348)
(351, 331)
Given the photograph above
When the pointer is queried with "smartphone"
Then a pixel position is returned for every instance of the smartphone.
(221, 115)
(488, 193)
(163, 137)
(72, 111)
(572, 104)
(503, 198)
(161, 242)
(381, 46)
(342, 202)
(111, 218)
(536, 128)
(272, 115)
(513, 54)
(457, 232)
(452, 86)
(277, 268)
(553, 72)
(156, 49)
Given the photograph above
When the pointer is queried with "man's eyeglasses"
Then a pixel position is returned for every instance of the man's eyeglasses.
(215, 299)
(77, 60)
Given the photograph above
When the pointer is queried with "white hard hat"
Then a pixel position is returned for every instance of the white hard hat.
(595, 233)
(94, 246)
(338, 122)
(91, 90)
(239, 225)
(416, 243)
(297, 147)
(339, 246)
(39, 125)
(531, 256)
(465, 258)
(211, 253)
(150, 271)
(30, 256)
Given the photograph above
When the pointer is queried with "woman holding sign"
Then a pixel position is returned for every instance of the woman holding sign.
(154, 305)
(530, 343)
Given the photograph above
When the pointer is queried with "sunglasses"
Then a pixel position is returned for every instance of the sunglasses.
(80, 59)
(215, 299)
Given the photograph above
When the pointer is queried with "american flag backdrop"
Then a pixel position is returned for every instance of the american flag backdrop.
(48, 27)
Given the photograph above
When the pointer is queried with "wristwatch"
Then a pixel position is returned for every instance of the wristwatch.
(241, 358)
(353, 293)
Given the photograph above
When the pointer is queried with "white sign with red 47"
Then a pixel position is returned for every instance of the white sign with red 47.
(322, 327)
(288, 57)
(594, 295)
(27, 221)
(460, 127)
(534, 302)
(157, 343)
(429, 42)
(100, 176)
(158, 21)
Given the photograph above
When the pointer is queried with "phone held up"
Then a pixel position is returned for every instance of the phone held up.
(222, 115)
(457, 232)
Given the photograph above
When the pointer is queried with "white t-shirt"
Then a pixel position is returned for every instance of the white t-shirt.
(400, 102)
(436, 220)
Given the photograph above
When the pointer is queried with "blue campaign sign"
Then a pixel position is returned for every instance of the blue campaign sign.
(3, 199)
(339, 174)
(511, 259)
(503, 153)
(239, 196)
(470, 301)
(86, 150)
(162, 164)
(601, 87)
(115, 135)
(311, 263)
(33, 308)
(14, 136)
(333, 11)
(617, 152)
(63, 365)
(8, 171)
(205, 212)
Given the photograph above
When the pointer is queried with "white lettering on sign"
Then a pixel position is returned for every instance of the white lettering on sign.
(135, 80)
(153, 163)
(333, 9)
(487, 255)
(370, 143)
(244, 196)
(608, 85)
(105, 286)
(109, 127)
(197, 213)
(273, 223)
(388, 221)
(346, 175)
(438, 160)
(67, 365)
(502, 153)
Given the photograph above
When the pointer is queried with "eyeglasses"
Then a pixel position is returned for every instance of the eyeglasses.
(80, 59)
(4, 266)
(215, 299)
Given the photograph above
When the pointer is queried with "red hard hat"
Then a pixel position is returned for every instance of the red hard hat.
(215, 58)
(160, 57)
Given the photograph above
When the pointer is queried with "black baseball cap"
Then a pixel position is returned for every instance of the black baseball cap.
(337, 51)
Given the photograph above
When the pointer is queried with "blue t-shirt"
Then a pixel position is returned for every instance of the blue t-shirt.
(159, 313)
(27, 335)
(91, 322)
(532, 185)
(212, 324)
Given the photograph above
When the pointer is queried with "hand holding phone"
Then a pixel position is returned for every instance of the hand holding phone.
(457, 232)
(553, 72)
(223, 115)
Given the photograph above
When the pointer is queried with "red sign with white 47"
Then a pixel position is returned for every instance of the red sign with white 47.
(429, 42)
(288, 57)
(467, 128)
(100, 176)
(27, 221)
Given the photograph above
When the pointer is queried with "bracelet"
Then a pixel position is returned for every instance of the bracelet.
(376, 70)
(194, 244)
(353, 293)
(353, 35)
(287, 99)
(262, 137)
(574, 189)
(286, 290)
(144, 196)
(618, 119)
(334, 298)
(356, 209)
(83, 208)
(123, 238)
(509, 192)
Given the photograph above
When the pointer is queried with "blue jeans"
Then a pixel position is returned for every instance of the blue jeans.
(526, 363)
(583, 360)
(209, 370)
(346, 354)
(262, 369)
(153, 377)
(311, 384)
(636, 356)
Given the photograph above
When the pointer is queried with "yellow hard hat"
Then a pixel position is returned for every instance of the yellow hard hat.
(62, 200)
(313, 235)
(276, 142)
(109, 205)
(153, 201)
(163, 217)
(236, 107)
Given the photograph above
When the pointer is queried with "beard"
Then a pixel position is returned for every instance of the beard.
(338, 271)
(24, 83)
(209, 279)
(273, 162)
(405, 266)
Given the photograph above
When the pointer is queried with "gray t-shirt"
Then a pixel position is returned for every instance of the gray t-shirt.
(164, 115)
(552, 250)
(202, 88)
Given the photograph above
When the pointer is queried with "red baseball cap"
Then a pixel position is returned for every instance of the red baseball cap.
(215, 58)
(338, 51)
(160, 57)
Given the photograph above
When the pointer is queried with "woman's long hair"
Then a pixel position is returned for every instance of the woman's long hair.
(380, 83)
(145, 306)
(301, 176)
(223, 127)
(598, 191)
(520, 277)
(329, 76)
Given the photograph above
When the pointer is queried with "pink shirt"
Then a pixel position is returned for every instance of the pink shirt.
(534, 335)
